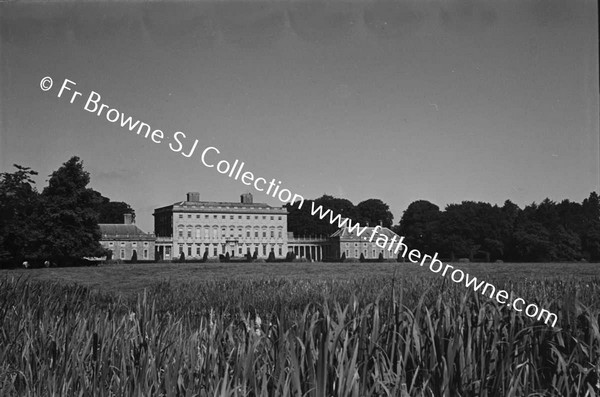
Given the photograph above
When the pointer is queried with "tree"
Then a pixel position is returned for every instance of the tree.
(69, 222)
(420, 224)
(182, 257)
(134, 257)
(373, 212)
(19, 205)
(112, 211)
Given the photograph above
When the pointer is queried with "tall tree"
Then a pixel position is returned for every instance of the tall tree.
(19, 201)
(420, 225)
(373, 212)
(70, 222)
(112, 211)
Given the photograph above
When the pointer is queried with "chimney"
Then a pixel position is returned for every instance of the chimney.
(193, 196)
(246, 198)
(128, 219)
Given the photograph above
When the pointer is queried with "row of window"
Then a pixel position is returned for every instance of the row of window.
(206, 216)
(122, 244)
(122, 254)
(374, 254)
(225, 249)
(215, 232)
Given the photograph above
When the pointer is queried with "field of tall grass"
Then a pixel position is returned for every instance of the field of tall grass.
(377, 336)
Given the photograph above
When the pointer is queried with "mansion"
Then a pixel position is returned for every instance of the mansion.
(194, 227)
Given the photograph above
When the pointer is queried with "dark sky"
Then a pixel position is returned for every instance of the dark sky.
(438, 100)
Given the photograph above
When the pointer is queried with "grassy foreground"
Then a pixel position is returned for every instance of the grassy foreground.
(277, 336)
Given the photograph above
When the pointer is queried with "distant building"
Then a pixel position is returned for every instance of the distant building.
(345, 242)
(193, 227)
(126, 238)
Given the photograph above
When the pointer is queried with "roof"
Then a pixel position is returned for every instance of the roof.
(123, 231)
(345, 234)
(221, 206)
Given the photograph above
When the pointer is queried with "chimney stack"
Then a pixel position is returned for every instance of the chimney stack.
(193, 196)
(128, 219)
(246, 198)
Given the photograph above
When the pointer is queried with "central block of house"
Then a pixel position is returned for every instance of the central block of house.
(193, 227)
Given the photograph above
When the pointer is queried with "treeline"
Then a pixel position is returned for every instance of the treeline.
(548, 231)
(369, 212)
(61, 221)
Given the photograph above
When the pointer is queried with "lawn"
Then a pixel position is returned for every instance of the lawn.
(133, 278)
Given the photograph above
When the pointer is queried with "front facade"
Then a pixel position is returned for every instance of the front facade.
(125, 239)
(344, 242)
(193, 227)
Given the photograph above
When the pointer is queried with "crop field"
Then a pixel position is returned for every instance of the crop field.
(296, 329)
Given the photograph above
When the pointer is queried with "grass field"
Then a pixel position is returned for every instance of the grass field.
(314, 329)
(133, 278)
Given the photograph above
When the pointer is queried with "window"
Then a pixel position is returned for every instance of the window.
(168, 251)
(240, 232)
(189, 216)
(255, 216)
(222, 216)
(373, 254)
(356, 253)
(180, 230)
(272, 233)
(146, 244)
(239, 217)
(110, 244)
(280, 234)
(264, 249)
(231, 217)
(279, 218)
(223, 232)
(248, 233)
(122, 254)
(189, 232)
(280, 251)
(198, 232)
(180, 249)
(215, 232)
(122, 244)
(240, 251)
(206, 232)
(197, 216)
(180, 216)
(206, 216)
(197, 251)
(215, 252)
(248, 217)
(189, 250)
(145, 254)
(272, 217)
(134, 244)
(256, 233)
(264, 217)
(264, 234)
(356, 244)
(214, 216)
